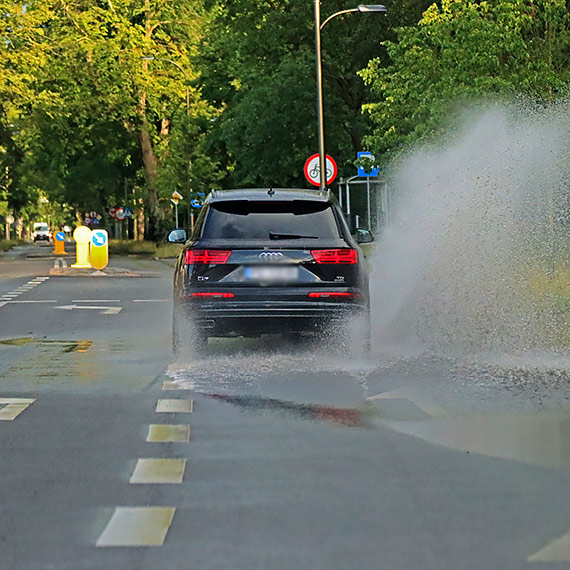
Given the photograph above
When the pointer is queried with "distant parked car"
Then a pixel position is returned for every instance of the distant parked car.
(41, 232)
(265, 261)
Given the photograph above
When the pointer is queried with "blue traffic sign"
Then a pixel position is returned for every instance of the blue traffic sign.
(367, 172)
(196, 203)
(60, 236)
(99, 238)
(127, 212)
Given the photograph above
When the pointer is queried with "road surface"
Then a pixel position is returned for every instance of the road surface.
(260, 454)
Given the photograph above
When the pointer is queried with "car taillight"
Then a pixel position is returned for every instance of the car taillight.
(325, 294)
(335, 255)
(206, 256)
(214, 294)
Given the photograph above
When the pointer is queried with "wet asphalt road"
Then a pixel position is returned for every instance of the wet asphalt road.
(297, 457)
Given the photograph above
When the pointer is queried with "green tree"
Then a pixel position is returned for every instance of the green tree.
(464, 51)
(257, 64)
(90, 112)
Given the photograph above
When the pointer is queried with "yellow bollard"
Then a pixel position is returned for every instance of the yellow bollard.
(82, 237)
(59, 244)
(99, 249)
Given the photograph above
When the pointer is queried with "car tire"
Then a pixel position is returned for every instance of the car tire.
(187, 340)
(353, 336)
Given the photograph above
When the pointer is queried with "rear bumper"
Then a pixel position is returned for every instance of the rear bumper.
(226, 317)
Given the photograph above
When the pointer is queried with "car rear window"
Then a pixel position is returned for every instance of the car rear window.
(296, 219)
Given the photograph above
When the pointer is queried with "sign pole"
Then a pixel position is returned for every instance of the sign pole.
(320, 111)
(176, 213)
(368, 202)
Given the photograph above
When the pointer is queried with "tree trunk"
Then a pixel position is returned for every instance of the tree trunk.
(150, 163)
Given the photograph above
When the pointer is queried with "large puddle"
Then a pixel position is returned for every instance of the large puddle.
(541, 438)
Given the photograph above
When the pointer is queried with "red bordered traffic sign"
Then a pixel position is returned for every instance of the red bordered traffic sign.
(312, 173)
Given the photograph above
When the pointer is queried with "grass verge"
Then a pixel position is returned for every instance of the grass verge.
(6, 245)
(152, 249)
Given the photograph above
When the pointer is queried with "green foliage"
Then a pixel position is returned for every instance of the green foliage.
(463, 51)
(83, 119)
(7, 245)
(86, 112)
(257, 63)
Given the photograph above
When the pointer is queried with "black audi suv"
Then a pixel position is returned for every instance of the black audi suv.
(267, 261)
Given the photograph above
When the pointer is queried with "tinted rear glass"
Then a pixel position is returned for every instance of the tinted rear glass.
(270, 220)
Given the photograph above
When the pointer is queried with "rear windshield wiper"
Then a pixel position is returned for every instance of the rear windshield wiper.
(275, 235)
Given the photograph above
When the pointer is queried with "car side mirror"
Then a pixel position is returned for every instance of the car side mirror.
(364, 236)
(177, 236)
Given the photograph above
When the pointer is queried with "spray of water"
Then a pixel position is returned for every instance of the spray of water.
(476, 237)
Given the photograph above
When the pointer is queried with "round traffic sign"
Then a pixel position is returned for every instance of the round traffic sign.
(10, 219)
(119, 214)
(312, 170)
(99, 238)
(60, 236)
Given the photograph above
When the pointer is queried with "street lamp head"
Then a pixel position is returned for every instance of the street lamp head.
(371, 8)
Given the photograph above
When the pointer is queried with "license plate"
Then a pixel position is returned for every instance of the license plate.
(263, 273)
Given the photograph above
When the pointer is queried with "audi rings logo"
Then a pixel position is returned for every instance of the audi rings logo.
(271, 256)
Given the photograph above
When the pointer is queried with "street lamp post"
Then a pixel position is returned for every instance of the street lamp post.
(152, 57)
(320, 111)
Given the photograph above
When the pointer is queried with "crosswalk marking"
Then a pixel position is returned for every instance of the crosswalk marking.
(168, 433)
(175, 406)
(11, 295)
(11, 408)
(155, 471)
(137, 526)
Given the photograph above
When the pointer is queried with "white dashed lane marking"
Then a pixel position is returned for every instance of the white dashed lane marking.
(168, 433)
(11, 408)
(175, 406)
(32, 301)
(96, 301)
(137, 526)
(158, 471)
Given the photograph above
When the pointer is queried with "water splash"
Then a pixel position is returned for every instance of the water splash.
(476, 238)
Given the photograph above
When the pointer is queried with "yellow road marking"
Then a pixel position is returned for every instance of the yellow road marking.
(557, 550)
(148, 471)
(175, 406)
(171, 385)
(168, 433)
(13, 407)
(137, 526)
